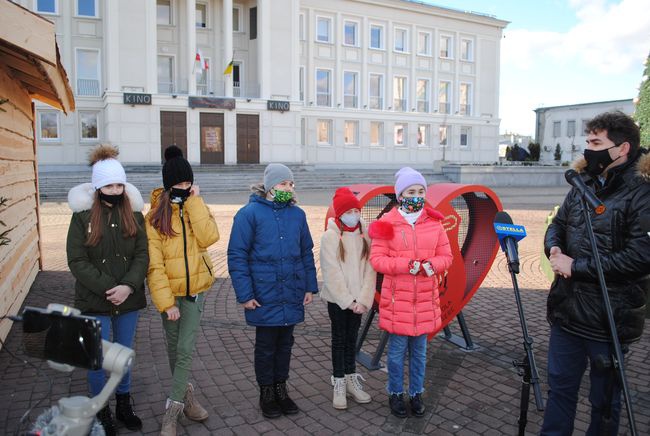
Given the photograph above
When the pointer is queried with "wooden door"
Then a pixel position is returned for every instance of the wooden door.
(173, 130)
(211, 138)
(248, 139)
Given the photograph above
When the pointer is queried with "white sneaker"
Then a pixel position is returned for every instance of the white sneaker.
(339, 400)
(355, 389)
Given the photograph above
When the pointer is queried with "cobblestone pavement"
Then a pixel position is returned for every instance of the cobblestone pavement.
(467, 392)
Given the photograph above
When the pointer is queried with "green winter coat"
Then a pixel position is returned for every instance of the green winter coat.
(115, 260)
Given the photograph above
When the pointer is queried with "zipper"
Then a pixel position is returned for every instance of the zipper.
(206, 264)
(415, 284)
(406, 244)
(187, 267)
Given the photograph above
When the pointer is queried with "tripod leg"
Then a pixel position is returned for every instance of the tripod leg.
(524, 370)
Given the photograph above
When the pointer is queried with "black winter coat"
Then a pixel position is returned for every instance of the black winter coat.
(576, 303)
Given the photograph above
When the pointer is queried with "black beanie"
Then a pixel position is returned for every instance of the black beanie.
(176, 168)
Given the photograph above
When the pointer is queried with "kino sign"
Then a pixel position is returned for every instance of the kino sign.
(131, 98)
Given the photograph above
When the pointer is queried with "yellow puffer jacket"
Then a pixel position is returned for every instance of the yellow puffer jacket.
(167, 274)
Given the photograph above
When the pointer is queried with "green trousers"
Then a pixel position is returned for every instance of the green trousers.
(181, 339)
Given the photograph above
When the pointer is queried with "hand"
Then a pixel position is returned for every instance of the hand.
(173, 313)
(194, 190)
(309, 297)
(118, 294)
(560, 263)
(251, 304)
(359, 309)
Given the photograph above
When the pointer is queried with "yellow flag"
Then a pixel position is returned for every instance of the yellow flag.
(228, 69)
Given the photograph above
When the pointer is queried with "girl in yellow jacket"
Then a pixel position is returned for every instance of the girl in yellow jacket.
(349, 288)
(180, 228)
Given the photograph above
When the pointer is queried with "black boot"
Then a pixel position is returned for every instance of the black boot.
(124, 412)
(268, 404)
(287, 405)
(397, 407)
(105, 418)
(417, 405)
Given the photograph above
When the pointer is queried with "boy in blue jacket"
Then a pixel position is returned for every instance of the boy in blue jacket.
(271, 264)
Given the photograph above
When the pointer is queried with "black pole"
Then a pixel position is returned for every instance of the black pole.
(618, 355)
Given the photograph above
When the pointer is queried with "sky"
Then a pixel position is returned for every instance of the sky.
(557, 52)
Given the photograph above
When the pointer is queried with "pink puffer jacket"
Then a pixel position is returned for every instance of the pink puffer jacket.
(409, 304)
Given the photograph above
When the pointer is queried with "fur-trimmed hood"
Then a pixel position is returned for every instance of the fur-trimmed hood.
(642, 164)
(385, 230)
(81, 197)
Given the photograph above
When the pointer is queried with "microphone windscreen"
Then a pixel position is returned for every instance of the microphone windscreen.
(502, 218)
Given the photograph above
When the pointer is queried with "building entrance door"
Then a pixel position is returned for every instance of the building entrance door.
(248, 139)
(211, 138)
(173, 131)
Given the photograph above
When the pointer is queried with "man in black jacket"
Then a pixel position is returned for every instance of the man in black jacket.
(618, 171)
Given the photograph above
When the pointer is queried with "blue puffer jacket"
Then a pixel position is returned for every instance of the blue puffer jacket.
(270, 259)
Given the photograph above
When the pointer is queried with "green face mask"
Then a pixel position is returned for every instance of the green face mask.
(282, 196)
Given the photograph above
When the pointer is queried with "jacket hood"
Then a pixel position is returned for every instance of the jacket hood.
(642, 164)
(331, 224)
(81, 197)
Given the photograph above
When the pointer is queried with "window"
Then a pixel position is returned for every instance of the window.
(467, 49)
(583, 130)
(376, 91)
(400, 39)
(201, 15)
(351, 31)
(87, 8)
(323, 29)
(303, 131)
(236, 19)
(422, 92)
(444, 97)
(88, 73)
(424, 43)
(166, 75)
(252, 22)
(164, 12)
(399, 93)
(376, 37)
(445, 47)
(301, 83)
(465, 135)
(350, 90)
(443, 134)
(557, 129)
(237, 87)
(88, 123)
(400, 134)
(324, 132)
(46, 6)
(571, 128)
(465, 107)
(48, 125)
(351, 133)
(376, 133)
(323, 88)
(423, 134)
(203, 77)
(301, 26)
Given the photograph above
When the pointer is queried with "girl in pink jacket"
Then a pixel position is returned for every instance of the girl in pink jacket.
(410, 247)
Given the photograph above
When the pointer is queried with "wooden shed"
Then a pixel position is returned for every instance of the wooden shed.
(30, 68)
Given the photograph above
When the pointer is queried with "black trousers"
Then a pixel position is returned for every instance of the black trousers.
(273, 354)
(345, 329)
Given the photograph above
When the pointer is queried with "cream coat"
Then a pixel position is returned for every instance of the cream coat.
(346, 281)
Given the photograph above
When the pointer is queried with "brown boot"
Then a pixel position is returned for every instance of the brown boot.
(171, 418)
(193, 410)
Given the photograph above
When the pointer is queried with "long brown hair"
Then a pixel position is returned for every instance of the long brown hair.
(365, 251)
(161, 216)
(125, 211)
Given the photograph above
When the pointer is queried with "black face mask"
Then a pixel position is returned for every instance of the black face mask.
(177, 195)
(597, 161)
(111, 199)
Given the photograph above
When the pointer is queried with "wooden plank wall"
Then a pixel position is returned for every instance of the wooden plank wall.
(19, 260)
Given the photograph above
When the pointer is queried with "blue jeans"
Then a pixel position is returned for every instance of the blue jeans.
(123, 329)
(567, 362)
(398, 347)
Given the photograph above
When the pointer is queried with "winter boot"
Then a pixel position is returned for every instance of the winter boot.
(268, 404)
(354, 388)
(339, 400)
(124, 412)
(287, 405)
(417, 405)
(397, 407)
(105, 418)
(174, 410)
(193, 410)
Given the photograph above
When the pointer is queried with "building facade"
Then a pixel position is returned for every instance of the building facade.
(343, 82)
(564, 126)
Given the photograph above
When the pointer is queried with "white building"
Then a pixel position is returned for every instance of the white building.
(343, 82)
(565, 125)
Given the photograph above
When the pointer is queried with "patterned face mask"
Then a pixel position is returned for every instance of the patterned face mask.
(282, 196)
(412, 204)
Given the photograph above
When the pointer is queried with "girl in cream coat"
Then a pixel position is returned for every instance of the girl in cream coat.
(349, 288)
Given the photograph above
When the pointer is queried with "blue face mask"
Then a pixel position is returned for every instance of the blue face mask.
(412, 204)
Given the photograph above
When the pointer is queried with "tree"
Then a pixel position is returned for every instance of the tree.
(534, 148)
(558, 153)
(642, 110)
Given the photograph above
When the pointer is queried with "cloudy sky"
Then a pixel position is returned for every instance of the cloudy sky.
(557, 52)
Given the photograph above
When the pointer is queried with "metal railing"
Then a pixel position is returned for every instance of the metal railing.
(423, 106)
(88, 87)
(376, 103)
(444, 108)
(465, 109)
(399, 104)
(350, 101)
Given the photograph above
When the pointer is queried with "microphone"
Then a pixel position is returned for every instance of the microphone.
(509, 234)
(576, 181)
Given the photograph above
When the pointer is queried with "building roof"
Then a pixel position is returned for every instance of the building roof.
(28, 51)
(593, 103)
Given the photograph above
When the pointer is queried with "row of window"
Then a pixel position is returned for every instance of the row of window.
(83, 8)
(49, 126)
(570, 128)
(401, 41)
(165, 15)
(400, 93)
(400, 136)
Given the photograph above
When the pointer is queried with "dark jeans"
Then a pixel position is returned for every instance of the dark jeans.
(272, 354)
(567, 362)
(345, 328)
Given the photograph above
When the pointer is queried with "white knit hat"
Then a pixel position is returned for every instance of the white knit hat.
(106, 172)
